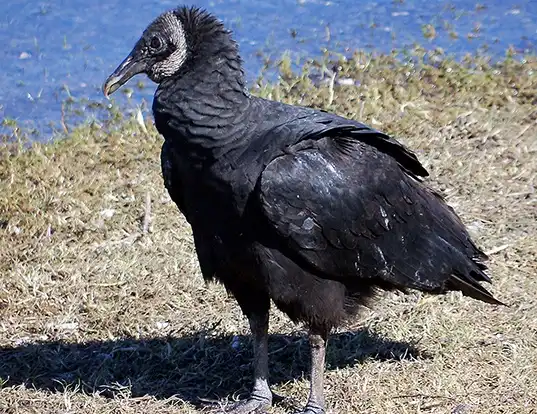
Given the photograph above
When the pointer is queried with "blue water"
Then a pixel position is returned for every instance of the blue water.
(59, 50)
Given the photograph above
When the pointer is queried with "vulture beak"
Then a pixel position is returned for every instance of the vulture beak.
(127, 69)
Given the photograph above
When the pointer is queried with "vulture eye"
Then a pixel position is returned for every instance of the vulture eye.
(155, 43)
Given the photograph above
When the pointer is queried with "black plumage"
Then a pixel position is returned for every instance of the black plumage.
(289, 204)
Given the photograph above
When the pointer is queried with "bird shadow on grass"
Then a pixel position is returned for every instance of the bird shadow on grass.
(190, 367)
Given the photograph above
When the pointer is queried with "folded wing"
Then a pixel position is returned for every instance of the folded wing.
(346, 209)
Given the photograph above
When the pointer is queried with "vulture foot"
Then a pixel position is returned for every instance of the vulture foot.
(253, 405)
(311, 410)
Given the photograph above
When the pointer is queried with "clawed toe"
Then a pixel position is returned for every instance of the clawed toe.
(251, 406)
(311, 409)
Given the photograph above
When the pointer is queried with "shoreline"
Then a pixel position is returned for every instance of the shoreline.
(75, 112)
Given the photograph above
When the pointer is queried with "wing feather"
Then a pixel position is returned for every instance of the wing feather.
(359, 213)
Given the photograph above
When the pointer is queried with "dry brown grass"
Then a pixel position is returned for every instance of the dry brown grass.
(99, 317)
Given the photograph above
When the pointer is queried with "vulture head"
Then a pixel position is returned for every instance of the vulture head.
(176, 41)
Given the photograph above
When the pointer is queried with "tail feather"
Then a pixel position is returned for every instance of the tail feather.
(467, 260)
(471, 287)
(479, 273)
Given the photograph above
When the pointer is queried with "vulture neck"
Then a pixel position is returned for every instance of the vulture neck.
(207, 102)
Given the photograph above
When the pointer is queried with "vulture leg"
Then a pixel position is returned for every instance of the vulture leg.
(261, 397)
(315, 403)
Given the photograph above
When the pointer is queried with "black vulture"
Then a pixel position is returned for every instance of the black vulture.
(288, 204)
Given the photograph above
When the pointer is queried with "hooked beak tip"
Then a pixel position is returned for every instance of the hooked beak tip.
(126, 70)
(110, 86)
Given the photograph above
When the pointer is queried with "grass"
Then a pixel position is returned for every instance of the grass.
(103, 308)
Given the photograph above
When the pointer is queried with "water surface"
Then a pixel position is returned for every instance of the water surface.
(63, 49)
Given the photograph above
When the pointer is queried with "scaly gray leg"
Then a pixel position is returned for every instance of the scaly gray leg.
(261, 397)
(315, 403)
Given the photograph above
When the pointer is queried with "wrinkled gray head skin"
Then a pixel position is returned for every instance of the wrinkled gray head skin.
(171, 36)
(160, 53)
